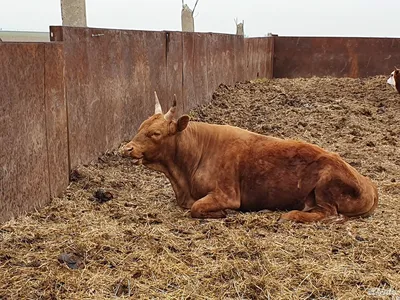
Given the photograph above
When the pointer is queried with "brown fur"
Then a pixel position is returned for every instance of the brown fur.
(217, 167)
(396, 76)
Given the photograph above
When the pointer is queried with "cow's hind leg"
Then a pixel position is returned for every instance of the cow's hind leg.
(323, 207)
(305, 216)
(312, 216)
(213, 206)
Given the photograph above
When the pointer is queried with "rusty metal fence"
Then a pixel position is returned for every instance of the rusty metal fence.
(334, 56)
(33, 127)
(260, 55)
(110, 76)
(64, 103)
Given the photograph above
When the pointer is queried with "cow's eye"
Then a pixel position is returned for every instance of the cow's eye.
(156, 133)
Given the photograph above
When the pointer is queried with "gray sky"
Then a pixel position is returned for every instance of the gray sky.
(290, 17)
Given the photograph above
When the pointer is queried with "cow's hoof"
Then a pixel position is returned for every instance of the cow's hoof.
(282, 220)
(208, 215)
(339, 219)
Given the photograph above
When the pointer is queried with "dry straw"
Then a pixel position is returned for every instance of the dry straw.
(141, 245)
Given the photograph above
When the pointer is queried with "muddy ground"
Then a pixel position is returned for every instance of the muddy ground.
(140, 244)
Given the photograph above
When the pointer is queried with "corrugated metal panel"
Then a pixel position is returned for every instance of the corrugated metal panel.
(259, 55)
(24, 176)
(111, 76)
(174, 54)
(56, 118)
(200, 70)
(334, 56)
(188, 58)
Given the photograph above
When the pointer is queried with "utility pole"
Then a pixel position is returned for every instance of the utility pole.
(239, 27)
(73, 13)
(187, 17)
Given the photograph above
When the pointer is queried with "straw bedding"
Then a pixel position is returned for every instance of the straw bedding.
(137, 243)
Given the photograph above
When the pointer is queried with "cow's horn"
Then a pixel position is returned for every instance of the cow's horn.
(171, 113)
(158, 109)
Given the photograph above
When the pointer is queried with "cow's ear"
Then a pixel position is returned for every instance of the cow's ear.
(182, 123)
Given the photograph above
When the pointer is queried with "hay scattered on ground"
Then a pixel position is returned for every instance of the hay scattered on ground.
(140, 244)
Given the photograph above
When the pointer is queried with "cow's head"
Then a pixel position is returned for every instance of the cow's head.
(394, 79)
(155, 135)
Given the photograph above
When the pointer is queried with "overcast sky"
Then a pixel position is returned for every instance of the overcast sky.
(284, 17)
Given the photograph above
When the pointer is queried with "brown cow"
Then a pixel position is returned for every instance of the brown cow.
(394, 79)
(217, 167)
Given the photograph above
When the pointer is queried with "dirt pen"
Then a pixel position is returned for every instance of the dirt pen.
(116, 231)
(140, 244)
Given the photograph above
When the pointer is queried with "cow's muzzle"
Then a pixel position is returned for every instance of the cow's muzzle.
(128, 151)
